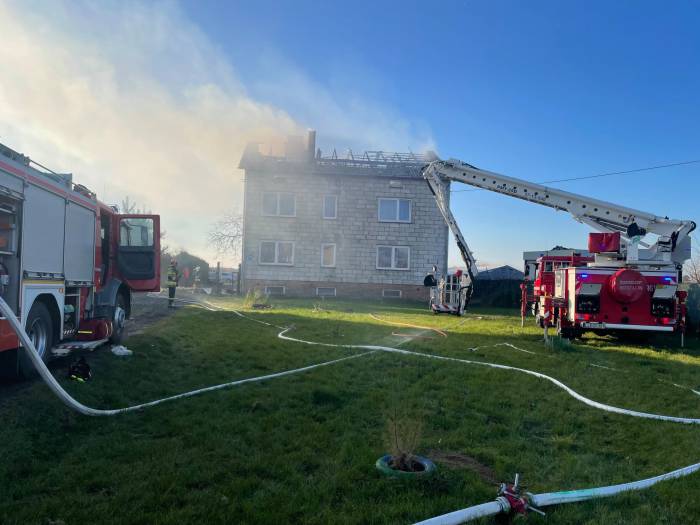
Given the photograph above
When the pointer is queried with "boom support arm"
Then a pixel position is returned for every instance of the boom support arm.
(441, 191)
(672, 245)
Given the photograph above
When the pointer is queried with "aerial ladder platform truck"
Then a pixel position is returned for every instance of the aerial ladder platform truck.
(69, 263)
(628, 284)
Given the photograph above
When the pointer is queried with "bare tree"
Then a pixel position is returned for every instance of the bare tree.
(225, 234)
(129, 206)
(692, 267)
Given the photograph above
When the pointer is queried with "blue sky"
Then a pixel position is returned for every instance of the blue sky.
(156, 99)
(537, 90)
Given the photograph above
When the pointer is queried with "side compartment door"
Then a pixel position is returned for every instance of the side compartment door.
(138, 251)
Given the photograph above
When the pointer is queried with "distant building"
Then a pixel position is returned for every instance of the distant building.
(361, 226)
(502, 273)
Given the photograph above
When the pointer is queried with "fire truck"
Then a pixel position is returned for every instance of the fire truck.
(538, 282)
(68, 263)
(631, 283)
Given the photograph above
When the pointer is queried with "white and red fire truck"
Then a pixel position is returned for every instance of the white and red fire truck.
(68, 263)
(630, 285)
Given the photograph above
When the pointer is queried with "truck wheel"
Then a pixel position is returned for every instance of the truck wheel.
(39, 328)
(118, 320)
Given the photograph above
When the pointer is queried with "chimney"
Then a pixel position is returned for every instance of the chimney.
(311, 144)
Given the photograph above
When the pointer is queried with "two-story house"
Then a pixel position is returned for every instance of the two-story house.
(360, 226)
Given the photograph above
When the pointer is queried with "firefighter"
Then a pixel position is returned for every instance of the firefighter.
(173, 280)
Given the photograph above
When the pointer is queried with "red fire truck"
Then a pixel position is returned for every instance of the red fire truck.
(68, 263)
(614, 293)
(540, 271)
(631, 283)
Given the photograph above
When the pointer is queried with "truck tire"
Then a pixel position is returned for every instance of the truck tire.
(118, 320)
(39, 327)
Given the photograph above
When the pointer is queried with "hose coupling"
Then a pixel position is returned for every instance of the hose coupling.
(513, 501)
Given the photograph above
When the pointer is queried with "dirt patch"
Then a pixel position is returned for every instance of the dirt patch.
(458, 461)
(412, 336)
(406, 464)
(146, 310)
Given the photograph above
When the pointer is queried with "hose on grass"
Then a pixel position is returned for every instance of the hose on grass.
(583, 399)
(74, 404)
(213, 308)
(502, 504)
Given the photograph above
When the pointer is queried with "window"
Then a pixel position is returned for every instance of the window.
(277, 252)
(274, 290)
(391, 293)
(136, 232)
(393, 257)
(328, 255)
(330, 207)
(394, 210)
(277, 204)
(325, 292)
(548, 267)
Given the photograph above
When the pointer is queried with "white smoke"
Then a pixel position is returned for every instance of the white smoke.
(136, 101)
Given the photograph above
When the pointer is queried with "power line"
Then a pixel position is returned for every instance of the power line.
(608, 174)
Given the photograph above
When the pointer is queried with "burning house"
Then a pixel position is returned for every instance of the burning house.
(358, 226)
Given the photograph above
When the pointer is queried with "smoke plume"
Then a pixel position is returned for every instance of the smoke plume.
(135, 100)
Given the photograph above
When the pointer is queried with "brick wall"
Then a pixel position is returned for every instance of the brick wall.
(343, 290)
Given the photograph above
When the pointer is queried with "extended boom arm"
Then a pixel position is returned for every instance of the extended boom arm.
(671, 247)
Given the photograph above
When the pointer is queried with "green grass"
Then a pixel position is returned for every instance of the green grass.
(301, 449)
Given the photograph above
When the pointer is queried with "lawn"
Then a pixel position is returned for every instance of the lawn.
(301, 448)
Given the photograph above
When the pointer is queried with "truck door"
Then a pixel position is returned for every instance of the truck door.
(138, 251)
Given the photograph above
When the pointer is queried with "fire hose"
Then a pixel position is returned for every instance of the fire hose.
(556, 382)
(74, 404)
(510, 500)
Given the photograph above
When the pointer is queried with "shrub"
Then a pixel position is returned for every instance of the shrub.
(255, 296)
(403, 434)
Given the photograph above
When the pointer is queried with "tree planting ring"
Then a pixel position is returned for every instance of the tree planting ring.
(428, 468)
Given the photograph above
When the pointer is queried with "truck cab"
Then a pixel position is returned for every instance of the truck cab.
(539, 281)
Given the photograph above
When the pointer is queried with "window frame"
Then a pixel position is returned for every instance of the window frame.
(284, 290)
(335, 254)
(392, 290)
(150, 241)
(335, 207)
(276, 261)
(335, 291)
(393, 258)
(277, 195)
(397, 200)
